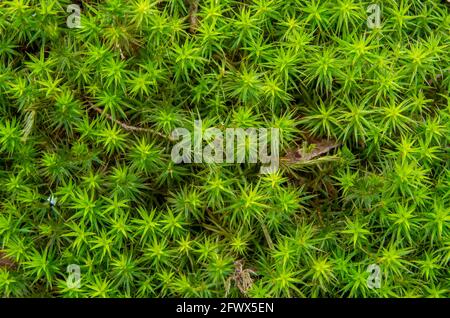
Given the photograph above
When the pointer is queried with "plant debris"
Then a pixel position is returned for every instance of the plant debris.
(241, 277)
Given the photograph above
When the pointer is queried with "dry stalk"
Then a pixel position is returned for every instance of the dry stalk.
(193, 20)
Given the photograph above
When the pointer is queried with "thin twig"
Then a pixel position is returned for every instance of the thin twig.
(193, 20)
(129, 127)
(267, 235)
(122, 56)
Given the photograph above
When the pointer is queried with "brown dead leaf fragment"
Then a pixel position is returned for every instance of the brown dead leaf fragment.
(311, 151)
(241, 277)
(5, 262)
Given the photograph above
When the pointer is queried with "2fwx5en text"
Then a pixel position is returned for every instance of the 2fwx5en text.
(229, 307)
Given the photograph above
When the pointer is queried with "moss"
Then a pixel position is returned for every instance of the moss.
(86, 175)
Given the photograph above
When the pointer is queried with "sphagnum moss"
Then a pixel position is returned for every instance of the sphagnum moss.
(87, 177)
